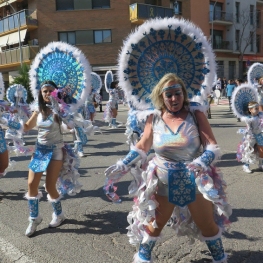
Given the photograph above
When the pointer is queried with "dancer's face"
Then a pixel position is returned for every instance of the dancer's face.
(46, 92)
(254, 111)
(173, 98)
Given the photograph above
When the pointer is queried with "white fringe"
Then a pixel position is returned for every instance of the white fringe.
(188, 28)
(26, 196)
(79, 56)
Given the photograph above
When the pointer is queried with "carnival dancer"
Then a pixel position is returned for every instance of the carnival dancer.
(255, 79)
(17, 96)
(176, 131)
(71, 71)
(4, 158)
(94, 95)
(111, 110)
(240, 101)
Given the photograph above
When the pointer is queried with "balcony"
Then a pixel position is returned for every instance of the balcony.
(10, 23)
(141, 12)
(11, 57)
(260, 2)
(221, 18)
(223, 46)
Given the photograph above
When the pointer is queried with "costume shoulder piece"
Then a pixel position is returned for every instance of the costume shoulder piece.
(16, 94)
(108, 80)
(96, 82)
(162, 46)
(241, 96)
(254, 73)
(66, 66)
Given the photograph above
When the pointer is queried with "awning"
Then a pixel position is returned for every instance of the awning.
(5, 3)
(14, 37)
(3, 40)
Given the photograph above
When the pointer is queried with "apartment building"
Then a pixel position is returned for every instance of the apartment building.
(98, 28)
(233, 27)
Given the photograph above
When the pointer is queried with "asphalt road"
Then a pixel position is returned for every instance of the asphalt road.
(95, 229)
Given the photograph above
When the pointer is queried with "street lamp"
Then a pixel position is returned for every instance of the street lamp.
(19, 36)
(212, 29)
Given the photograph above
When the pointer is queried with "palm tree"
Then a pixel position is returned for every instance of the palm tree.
(23, 79)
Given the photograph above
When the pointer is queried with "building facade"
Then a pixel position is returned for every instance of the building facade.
(99, 27)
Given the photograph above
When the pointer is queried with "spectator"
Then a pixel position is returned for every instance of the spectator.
(229, 90)
(8, 12)
(224, 84)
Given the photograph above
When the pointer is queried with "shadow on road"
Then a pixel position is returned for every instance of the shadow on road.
(102, 223)
(245, 256)
(249, 213)
(228, 160)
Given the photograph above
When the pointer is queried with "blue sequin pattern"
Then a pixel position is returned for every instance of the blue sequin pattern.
(145, 250)
(14, 125)
(216, 248)
(159, 52)
(41, 158)
(181, 187)
(255, 73)
(207, 157)
(57, 207)
(243, 96)
(2, 141)
(259, 139)
(62, 68)
(131, 156)
(33, 207)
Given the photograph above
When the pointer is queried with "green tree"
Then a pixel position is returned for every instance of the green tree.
(23, 79)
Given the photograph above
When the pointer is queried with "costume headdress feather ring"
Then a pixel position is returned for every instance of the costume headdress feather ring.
(254, 73)
(108, 80)
(162, 46)
(66, 66)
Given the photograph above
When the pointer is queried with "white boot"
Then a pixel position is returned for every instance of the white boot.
(34, 219)
(58, 216)
(246, 169)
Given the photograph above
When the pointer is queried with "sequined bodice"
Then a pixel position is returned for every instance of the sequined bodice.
(180, 145)
(48, 130)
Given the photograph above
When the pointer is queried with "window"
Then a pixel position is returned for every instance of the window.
(258, 43)
(96, 4)
(65, 4)
(237, 11)
(215, 10)
(220, 68)
(251, 15)
(237, 39)
(217, 39)
(81, 4)
(251, 41)
(177, 6)
(232, 69)
(150, 2)
(102, 36)
(84, 37)
(68, 37)
(258, 18)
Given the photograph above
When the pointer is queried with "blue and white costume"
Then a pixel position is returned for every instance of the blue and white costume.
(241, 96)
(147, 55)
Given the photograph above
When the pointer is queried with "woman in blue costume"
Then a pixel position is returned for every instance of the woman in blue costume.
(181, 181)
(176, 135)
(48, 156)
